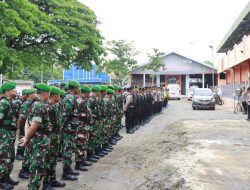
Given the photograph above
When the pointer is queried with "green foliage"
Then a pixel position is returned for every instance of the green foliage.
(155, 61)
(55, 33)
(123, 61)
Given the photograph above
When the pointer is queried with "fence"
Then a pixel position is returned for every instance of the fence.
(229, 90)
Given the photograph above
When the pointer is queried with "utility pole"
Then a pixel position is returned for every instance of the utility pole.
(212, 49)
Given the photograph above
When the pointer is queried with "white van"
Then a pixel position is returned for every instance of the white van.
(174, 91)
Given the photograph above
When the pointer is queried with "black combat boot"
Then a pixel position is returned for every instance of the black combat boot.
(98, 153)
(47, 186)
(19, 154)
(75, 173)
(55, 183)
(86, 163)
(112, 142)
(5, 186)
(90, 157)
(67, 175)
(24, 174)
(103, 151)
(80, 167)
(115, 138)
(105, 148)
(119, 136)
(10, 181)
(110, 146)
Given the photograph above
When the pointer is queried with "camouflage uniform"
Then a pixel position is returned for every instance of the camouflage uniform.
(38, 144)
(119, 112)
(54, 113)
(93, 105)
(16, 106)
(102, 130)
(7, 136)
(83, 134)
(111, 115)
(24, 113)
(70, 124)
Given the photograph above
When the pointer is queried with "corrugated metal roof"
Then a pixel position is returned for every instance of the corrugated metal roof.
(235, 34)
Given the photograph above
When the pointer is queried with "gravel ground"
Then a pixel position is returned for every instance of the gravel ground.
(178, 149)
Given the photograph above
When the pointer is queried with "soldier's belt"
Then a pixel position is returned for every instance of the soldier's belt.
(9, 127)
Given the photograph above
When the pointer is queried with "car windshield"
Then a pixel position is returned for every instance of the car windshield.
(203, 93)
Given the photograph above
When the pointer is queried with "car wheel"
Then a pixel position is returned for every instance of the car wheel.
(213, 108)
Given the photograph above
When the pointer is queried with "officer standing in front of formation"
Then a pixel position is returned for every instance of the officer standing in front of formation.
(70, 122)
(7, 135)
(37, 136)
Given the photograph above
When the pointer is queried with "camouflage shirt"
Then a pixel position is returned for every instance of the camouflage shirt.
(84, 112)
(93, 105)
(24, 109)
(7, 114)
(16, 106)
(69, 114)
(39, 113)
(54, 116)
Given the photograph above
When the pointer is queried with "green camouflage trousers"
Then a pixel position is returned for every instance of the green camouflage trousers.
(7, 151)
(81, 143)
(69, 148)
(26, 161)
(39, 156)
(52, 155)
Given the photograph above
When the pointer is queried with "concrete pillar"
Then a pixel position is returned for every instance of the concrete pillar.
(158, 80)
(187, 84)
(144, 80)
(203, 80)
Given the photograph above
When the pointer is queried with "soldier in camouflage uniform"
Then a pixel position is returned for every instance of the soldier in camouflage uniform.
(102, 130)
(37, 136)
(53, 112)
(112, 113)
(7, 135)
(70, 122)
(23, 115)
(17, 104)
(93, 105)
(83, 134)
(118, 110)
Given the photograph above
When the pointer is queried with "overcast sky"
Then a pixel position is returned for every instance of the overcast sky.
(185, 26)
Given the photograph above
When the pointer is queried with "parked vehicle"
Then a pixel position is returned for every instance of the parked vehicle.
(191, 92)
(174, 91)
(203, 98)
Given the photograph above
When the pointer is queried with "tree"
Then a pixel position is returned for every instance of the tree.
(55, 32)
(209, 63)
(123, 60)
(155, 63)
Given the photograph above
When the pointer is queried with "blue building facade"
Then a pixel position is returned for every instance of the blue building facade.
(83, 76)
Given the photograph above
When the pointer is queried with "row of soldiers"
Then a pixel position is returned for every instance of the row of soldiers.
(85, 122)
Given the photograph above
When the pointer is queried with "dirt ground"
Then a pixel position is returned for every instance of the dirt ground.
(178, 149)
